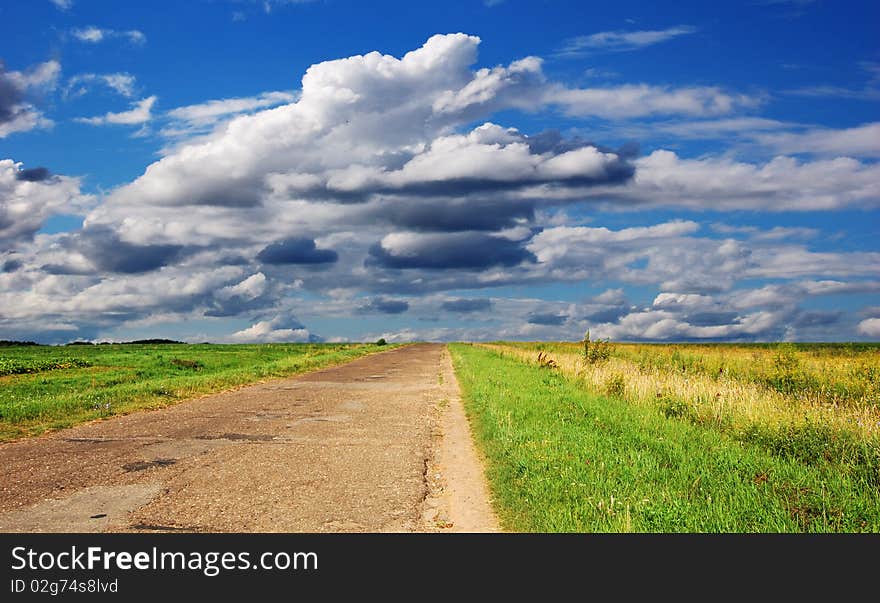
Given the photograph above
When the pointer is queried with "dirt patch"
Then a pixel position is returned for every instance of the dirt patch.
(459, 498)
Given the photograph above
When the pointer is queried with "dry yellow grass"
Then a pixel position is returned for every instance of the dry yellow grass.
(723, 400)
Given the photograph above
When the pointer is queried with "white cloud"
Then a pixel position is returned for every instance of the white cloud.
(519, 85)
(42, 76)
(211, 110)
(271, 331)
(250, 288)
(859, 141)
(553, 244)
(662, 325)
(782, 184)
(641, 100)
(94, 35)
(621, 40)
(794, 261)
(870, 327)
(62, 5)
(26, 118)
(17, 112)
(121, 83)
(715, 128)
(377, 161)
(200, 118)
(487, 154)
(28, 197)
(138, 114)
(790, 294)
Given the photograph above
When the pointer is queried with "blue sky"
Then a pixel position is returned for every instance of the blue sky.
(248, 171)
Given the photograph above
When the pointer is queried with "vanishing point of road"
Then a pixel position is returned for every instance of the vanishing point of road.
(379, 444)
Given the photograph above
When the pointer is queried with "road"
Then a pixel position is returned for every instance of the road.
(379, 444)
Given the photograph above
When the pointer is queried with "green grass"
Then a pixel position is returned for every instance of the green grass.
(562, 459)
(50, 387)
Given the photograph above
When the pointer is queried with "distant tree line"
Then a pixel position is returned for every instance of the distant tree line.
(8, 343)
(136, 341)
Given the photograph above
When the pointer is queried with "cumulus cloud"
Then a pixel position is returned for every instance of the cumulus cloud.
(140, 112)
(656, 255)
(870, 327)
(28, 196)
(571, 242)
(202, 117)
(543, 318)
(460, 250)
(29, 296)
(296, 251)
(110, 253)
(467, 306)
(383, 305)
(277, 330)
(375, 123)
(661, 325)
(489, 159)
(782, 184)
(17, 112)
(376, 188)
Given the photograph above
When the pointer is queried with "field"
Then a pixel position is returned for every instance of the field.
(49, 387)
(577, 437)
(678, 438)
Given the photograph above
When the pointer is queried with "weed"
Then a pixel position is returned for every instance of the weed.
(597, 351)
(545, 361)
(674, 408)
(615, 385)
(190, 364)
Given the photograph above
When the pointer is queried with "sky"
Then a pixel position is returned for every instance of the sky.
(241, 171)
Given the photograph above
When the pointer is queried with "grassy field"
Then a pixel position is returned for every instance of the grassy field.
(658, 439)
(50, 387)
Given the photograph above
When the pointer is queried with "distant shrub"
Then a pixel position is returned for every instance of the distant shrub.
(785, 360)
(190, 364)
(598, 351)
(615, 385)
(675, 408)
(381, 341)
(787, 376)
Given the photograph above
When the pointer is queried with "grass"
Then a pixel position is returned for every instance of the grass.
(50, 387)
(840, 374)
(563, 457)
(730, 387)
